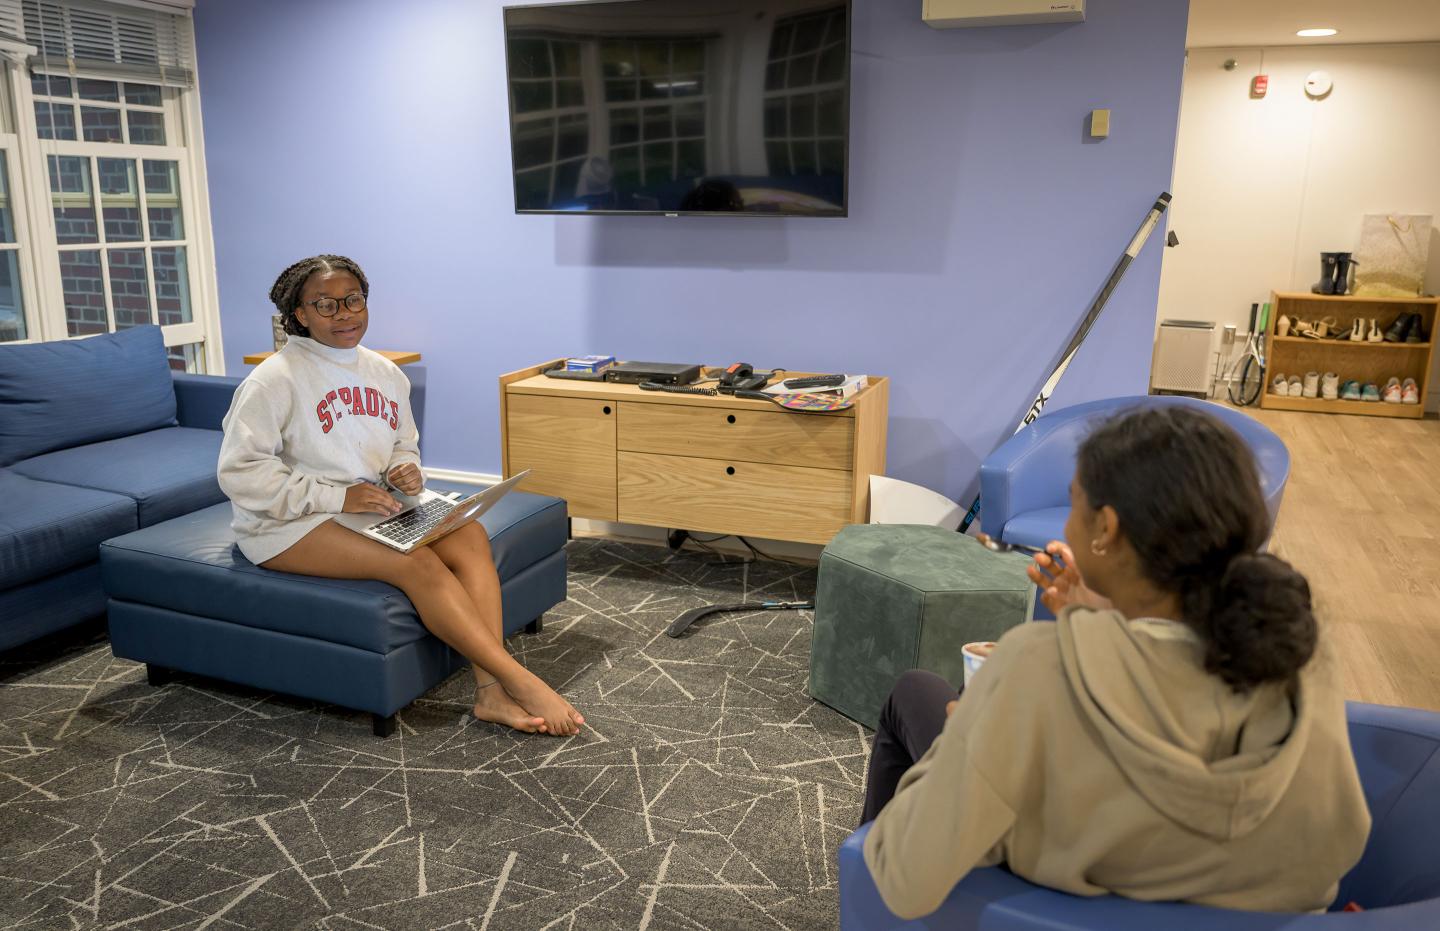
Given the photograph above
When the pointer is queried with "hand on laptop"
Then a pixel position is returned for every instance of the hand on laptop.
(363, 497)
(407, 478)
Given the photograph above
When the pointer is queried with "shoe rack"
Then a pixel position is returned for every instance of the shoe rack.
(1363, 362)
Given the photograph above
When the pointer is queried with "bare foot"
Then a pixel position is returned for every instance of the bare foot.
(494, 704)
(561, 718)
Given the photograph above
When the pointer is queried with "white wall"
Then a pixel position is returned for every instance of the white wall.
(1263, 186)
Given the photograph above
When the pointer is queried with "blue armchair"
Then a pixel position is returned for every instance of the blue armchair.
(1397, 880)
(1024, 485)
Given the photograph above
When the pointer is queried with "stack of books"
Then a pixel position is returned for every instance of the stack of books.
(851, 385)
(589, 363)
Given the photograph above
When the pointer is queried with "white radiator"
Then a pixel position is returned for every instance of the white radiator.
(1182, 357)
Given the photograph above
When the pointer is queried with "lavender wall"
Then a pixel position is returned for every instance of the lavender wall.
(982, 222)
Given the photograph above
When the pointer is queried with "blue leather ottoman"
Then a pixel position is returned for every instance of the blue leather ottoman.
(182, 597)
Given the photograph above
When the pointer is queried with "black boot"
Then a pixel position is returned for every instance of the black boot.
(1326, 284)
(1344, 272)
(1400, 329)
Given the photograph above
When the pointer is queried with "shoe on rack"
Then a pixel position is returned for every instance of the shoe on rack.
(1398, 330)
(1326, 284)
(1375, 335)
(1330, 386)
(1294, 385)
(1390, 394)
(1416, 333)
(1371, 392)
(1280, 386)
(1311, 387)
(1350, 391)
(1282, 326)
(1409, 392)
(1326, 328)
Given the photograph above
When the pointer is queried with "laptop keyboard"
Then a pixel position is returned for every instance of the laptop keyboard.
(415, 523)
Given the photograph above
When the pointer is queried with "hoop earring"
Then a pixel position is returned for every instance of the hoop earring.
(1096, 548)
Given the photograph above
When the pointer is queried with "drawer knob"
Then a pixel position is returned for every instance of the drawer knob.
(730, 419)
(729, 470)
(606, 408)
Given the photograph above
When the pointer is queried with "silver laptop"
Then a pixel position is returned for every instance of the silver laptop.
(427, 516)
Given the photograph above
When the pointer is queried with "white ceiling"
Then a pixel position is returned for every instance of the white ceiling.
(1232, 23)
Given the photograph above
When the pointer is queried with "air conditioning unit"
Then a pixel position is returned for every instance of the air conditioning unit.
(1182, 357)
(953, 14)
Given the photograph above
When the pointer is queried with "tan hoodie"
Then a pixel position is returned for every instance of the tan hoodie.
(1096, 755)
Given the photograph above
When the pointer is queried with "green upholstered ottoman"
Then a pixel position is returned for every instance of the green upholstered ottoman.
(892, 597)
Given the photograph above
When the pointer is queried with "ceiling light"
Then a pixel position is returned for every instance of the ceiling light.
(1316, 33)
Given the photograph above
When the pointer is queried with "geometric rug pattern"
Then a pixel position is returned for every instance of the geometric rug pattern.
(706, 791)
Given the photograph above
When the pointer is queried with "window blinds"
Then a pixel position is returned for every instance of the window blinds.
(109, 40)
(11, 28)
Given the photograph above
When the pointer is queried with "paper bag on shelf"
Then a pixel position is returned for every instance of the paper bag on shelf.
(1391, 256)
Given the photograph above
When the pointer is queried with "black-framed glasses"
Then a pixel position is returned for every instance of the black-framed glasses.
(329, 307)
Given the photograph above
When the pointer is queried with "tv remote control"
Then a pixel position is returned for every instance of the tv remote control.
(815, 381)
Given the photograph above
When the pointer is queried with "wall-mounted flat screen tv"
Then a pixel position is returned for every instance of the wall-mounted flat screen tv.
(715, 107)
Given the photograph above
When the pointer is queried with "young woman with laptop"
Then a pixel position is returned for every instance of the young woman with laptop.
(311, 433)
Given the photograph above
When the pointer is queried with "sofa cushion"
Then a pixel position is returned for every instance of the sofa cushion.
(47, 528)
(167, 472)
(75, 391)
(191, 565)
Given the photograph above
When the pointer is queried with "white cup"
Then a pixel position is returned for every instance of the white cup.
(974, 656)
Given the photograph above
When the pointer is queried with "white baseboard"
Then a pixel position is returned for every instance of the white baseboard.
(641, 533)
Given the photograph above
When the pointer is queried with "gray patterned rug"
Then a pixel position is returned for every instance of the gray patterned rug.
(707, 790)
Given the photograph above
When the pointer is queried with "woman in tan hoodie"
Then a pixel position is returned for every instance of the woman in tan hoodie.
(1174, 735)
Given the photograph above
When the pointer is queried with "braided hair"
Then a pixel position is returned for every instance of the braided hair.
(285, 292)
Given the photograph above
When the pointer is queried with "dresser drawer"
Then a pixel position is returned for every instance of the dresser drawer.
(733, 496)
(569, 446)
(778, 437)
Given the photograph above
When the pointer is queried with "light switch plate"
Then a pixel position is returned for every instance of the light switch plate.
(1099, 124)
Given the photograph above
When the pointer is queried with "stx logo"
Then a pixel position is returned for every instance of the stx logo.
(362, 402)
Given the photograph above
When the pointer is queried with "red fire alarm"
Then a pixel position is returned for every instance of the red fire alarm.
(1259, 85)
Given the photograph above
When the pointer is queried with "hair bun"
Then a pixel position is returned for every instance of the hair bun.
(1262, 628)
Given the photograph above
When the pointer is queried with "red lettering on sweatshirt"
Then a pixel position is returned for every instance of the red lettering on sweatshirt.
(366, 402)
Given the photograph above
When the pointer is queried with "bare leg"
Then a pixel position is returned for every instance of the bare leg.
(466, 552)
(444, 607)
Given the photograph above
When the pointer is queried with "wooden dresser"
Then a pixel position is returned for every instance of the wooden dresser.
(708, 464)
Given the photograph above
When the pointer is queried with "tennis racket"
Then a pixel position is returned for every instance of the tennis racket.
(1247, 375)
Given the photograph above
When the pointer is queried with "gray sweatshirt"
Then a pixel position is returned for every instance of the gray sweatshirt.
(307, 423)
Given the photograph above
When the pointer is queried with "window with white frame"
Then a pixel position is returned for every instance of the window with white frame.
(106, 126)
(14, 248)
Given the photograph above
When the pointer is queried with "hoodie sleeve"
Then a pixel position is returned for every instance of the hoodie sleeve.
(948, 817)
(250, 469)
(407, 435)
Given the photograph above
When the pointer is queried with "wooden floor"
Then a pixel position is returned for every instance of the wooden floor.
(1361, 519)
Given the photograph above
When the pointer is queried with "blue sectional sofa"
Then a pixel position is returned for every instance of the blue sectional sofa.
(104, 452)
(97, 437)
